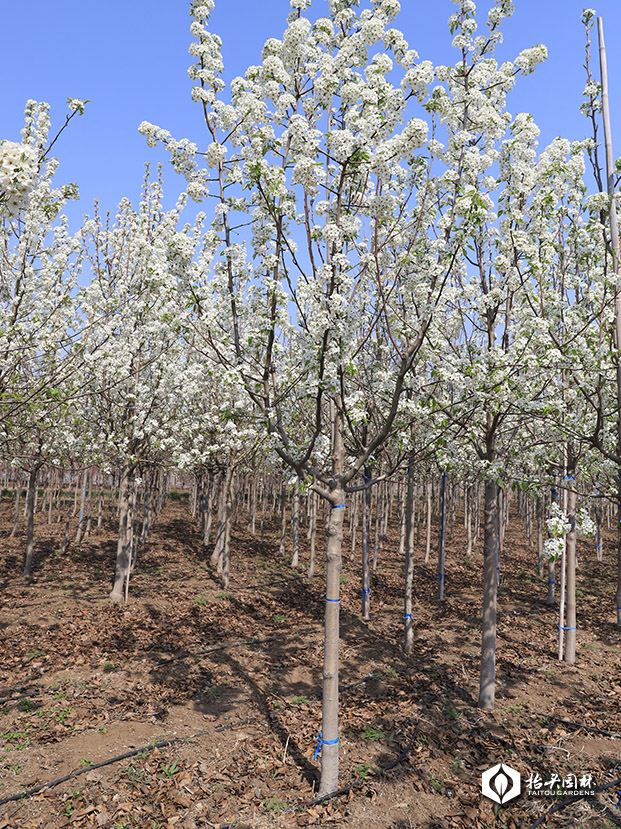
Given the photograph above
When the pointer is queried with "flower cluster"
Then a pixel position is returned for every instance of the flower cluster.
(18, 171)
(585, 524)
(558, 525)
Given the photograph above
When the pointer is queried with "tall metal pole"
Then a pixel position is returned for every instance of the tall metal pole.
(614, 238)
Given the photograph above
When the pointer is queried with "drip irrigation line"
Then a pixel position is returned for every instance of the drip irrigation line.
(37, 692)
(362, 681)
(574, 799)
(161, 744)
(580, 725)
(217, 648)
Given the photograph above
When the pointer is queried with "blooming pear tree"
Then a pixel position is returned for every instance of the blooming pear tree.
(357, 218)
(476, 377)
(39, 361)
(389, 280)
(215, 432)
(133, 346)
(570, 296)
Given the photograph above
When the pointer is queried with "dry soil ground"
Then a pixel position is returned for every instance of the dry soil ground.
(233, 679)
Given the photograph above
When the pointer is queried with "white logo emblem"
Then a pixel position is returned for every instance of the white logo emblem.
(501, 783)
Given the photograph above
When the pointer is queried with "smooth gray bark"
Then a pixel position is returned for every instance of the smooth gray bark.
(408, 643)
(123, 549)
(487, 681)
(570, 624)
(30, 513)
(442, 538)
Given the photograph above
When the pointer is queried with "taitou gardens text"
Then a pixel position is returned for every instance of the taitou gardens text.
(393, 312)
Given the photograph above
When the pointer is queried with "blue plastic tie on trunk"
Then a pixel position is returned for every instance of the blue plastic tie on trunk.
(338, 506)
(562, 627)
(320, 743)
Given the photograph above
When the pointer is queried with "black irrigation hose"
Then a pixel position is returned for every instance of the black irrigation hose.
(574, 799)
(162, 744)
(366, 679)
(579, 725)
(37, 692)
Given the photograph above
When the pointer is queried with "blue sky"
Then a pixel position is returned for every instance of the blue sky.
(130, 59)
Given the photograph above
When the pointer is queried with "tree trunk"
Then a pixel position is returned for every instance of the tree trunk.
(330, 699)
(222, 548)
(429, 517)
(468, 518)
(123, 549)
(408, 643)
(551, 570)
(354, 525)
(50, 500)
(18, 495)
(226, 553)
(295, 527)
(75, 496)
(570, 625)
(253, 517)
(209, 518)
(67, 522)
(80, 530)
(487, 684)
(378, 521)
(529, 521)
(30, 513)
(330, 703)
(283, 520)
(220, 521)
(540, 557)
(441, 538)
(312, 531)
(366, 581)
(100, 502)
(562, 587)
(402, 518)
(131, 556)
(89, 519)
(502, 500)
(263, 497)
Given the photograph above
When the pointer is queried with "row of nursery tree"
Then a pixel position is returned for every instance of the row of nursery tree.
(389, 277)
